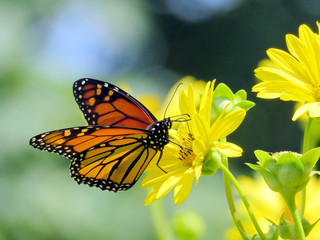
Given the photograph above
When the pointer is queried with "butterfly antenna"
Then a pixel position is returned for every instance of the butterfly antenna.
(175, 91)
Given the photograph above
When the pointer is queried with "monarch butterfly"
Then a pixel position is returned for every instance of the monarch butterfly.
(122, 138)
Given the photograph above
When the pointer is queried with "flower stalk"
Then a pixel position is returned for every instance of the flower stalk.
(160, 221)
(230, 201)
(290, 200)
(305, 148)
(244, 199)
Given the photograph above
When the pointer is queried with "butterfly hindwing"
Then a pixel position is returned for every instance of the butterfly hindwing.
(107, 105)
(112, 168)
(111, 158)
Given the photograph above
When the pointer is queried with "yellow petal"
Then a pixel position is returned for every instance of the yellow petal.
(287, 62)
(151, 197)
(198, 145)
(303, 54)
(278, 88)
(229, 149)
(197, 165)
(312, 51)
(187, 101)
(203, 127)
(314, 110)
(222, 127)
(267, 95)
(301, 110)
(296, 95)
(183, 188)
(206, 101)
(168, 184)
(276, 74)
(159, 176)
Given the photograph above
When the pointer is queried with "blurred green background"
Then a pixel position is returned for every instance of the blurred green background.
(46, 45)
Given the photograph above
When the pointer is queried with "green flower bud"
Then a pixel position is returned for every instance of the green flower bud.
(188, 225)
(223, 96)
(286, 172)
(211, 162)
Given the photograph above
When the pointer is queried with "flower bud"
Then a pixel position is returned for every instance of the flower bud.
(211, 162)
(286, 172)
(188, 225)
(224, 96)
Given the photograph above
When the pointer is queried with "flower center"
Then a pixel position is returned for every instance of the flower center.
(186, 156)
(185, 153)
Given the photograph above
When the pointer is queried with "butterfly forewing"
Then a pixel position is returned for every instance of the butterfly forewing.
(107, 105)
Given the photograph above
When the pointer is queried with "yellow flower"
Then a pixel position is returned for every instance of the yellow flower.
(267, 204)
(183, 161)
(296, 76)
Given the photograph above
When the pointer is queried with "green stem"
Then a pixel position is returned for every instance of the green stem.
(244, 200)
(230, 201)
(306, 136)
(305, 148)
(289, 198)
(160, 221)
(303, 201)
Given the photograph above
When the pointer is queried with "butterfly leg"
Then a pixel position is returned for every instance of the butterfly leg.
(159, 162)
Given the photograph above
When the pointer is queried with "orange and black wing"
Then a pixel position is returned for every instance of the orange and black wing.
(111, 158)
(104, 104)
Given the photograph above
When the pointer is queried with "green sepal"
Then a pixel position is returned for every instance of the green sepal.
(307, 227)
(223, 91)
(310, 158)
(245, 105)
(272, 234)
(262, 156)
(286, 229)
(211, 162)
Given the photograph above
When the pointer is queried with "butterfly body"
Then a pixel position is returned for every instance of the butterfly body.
(122, 138)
